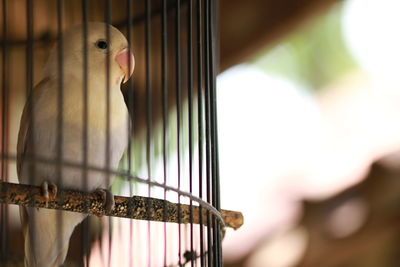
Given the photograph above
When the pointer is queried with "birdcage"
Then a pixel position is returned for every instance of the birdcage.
(75, 127)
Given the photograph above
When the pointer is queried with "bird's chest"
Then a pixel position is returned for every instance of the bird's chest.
(102, 129)
(94, 133)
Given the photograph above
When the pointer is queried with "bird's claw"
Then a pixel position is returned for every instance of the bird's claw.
(108, 199)
(49, 191)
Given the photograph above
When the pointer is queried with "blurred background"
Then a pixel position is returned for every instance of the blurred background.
(309, 133)
(309, 138)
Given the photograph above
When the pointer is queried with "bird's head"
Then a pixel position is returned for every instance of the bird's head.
(99, 47)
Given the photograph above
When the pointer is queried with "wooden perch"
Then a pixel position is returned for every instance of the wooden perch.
(136, 207)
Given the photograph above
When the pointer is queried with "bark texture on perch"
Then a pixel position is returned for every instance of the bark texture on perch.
(136, 207)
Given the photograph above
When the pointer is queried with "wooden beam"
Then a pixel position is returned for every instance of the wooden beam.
(247, 27)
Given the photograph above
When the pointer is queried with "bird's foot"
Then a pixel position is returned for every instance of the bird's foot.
(108, 199)
(49, 191)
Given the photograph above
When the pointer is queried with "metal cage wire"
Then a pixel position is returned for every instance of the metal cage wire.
(172, 152)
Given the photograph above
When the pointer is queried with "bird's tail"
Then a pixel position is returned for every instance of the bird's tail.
(47, 233)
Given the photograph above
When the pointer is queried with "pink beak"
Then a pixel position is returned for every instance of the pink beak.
(126, 62)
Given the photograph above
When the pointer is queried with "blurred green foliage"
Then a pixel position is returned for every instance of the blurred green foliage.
(312, 56)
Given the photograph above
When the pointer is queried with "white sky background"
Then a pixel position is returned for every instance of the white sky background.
(279, 144)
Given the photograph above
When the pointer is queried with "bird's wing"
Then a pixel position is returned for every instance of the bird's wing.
(25, 123)
(22, 144)
(22, 147)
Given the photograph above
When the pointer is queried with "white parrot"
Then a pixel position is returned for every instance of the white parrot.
(47, 232)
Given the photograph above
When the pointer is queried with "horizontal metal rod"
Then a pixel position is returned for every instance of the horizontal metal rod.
(136, 207)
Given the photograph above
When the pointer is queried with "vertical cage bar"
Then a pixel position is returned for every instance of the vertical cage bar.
(200, 121)
(164, 85)
(178, 97)
(149, 113)
(130, 101)
(85, 132)
(60, 104)
(207, 132)
(108, 20)
(4, 128)
(190, 120)
(4, 106)
(60, 107)
(214, 58)
(29, 88)
(29, 84)
(215, 185)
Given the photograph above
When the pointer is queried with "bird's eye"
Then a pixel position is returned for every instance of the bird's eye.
(101, 44)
